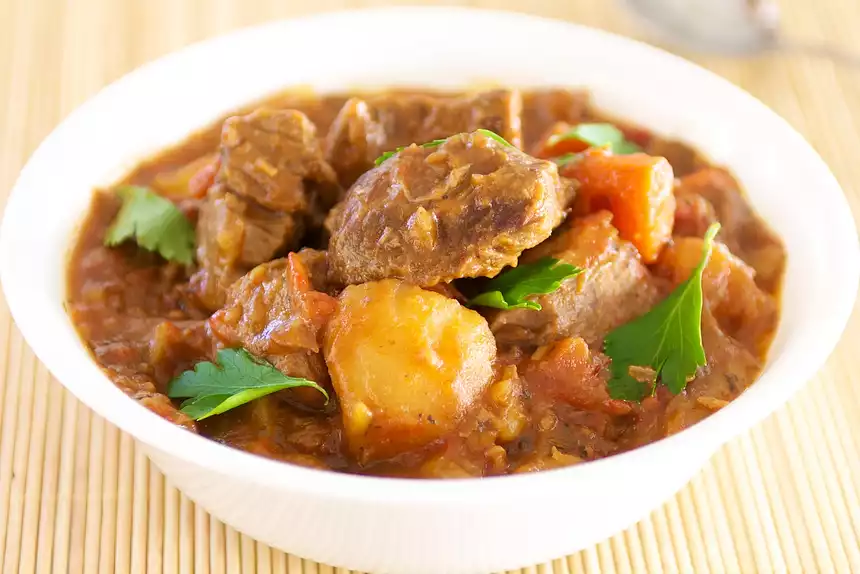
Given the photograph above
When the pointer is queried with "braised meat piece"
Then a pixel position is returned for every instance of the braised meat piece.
(465, 208)
(273, 309)
(714, 195)
(614, 288)
(274, 313)
(366, 128)
(274, 158)
(498, 111)
(271, 185)
(233, 235)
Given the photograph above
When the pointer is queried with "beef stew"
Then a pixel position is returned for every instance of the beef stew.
(418, 284)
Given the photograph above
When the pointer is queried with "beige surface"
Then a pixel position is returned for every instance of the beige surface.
(76, 496)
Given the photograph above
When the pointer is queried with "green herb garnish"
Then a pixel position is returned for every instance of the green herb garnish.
(599, 135)
(667, 339)
(236, 378)
(154, 223)
(493, 135)
(510, 289)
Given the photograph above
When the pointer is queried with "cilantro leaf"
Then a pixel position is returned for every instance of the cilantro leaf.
(510, 289)
(668, 338)
(236, 378)
(154, 223)
(599, 135)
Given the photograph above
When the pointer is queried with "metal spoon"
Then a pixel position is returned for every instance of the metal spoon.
(737, 27)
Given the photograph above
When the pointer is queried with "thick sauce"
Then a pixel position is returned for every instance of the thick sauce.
(144, 326)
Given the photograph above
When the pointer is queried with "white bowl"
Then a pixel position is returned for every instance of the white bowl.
(393, 525)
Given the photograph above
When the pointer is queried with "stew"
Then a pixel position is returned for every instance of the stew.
(423, 284)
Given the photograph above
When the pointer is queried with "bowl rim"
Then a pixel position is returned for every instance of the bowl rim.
(160, 434)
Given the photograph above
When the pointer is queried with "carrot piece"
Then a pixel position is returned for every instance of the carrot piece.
(203, 179)
(552, 146)
(636, 188)
(568, 371)
(315, 307)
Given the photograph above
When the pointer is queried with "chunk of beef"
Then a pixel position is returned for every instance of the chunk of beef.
(233, 235)
(498, 111)
(274, 313)
(743, 232)
(465, 208)
(366, 128)
(272, 182)
(274, 158)
(273, 310)
(614, 288)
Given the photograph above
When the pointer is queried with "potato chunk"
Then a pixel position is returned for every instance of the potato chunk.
(406, 363)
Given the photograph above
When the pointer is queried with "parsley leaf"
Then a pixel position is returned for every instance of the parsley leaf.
(599, 135)
(490, 134)
(667, 339)
(510, 289)
(236, 378)
(493, 135)
(154, 223)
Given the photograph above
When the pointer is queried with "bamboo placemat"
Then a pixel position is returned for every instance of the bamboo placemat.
(77, 496)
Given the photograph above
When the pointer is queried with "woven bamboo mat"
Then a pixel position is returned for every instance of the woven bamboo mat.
(77, 496)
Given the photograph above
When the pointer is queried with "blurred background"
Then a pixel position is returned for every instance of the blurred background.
(75, 494)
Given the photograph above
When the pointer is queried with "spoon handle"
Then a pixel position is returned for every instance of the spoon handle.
(837, 55)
